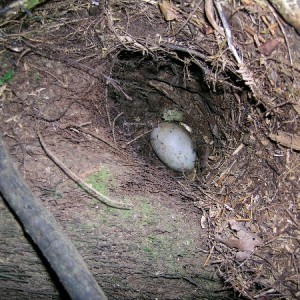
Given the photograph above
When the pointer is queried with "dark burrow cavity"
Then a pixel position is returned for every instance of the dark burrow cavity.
(150, 90)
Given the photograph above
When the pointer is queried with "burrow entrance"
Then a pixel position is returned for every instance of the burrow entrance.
(159, 89)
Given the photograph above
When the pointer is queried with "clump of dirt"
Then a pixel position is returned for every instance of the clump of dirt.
(94, 80)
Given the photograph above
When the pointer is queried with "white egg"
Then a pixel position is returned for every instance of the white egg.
(174, 147)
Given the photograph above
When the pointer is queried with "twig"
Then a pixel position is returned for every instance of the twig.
(90, 190)
(283, 32)
(64, 85)
(188, 18)
(228, 32)
(278, 105)
(292, 218)
(209, 255)
(136, 138)
(251, 32)
(85, 68)
(207, 194)
(59, 116)
(238, 149)
(167, 276)
(293, 66)
(187, 50)
(106, 98)
(113, 129)
(246, 74)
(116, 85)
(22, 55)
(210, 16)
(96, 136)
(224, 173)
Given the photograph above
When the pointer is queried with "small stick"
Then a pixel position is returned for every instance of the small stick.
(113, 129)
(64, 85)
(96, 136)
(136, 138)
(228, 33)
(292, 218)
(188, 18)
(238, 149)
(209, 255)
(59, 116)
(89, 189)
(250, 31)
(283, 32)
(209, 11)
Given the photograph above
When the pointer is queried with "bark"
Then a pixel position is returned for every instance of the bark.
(41, 226)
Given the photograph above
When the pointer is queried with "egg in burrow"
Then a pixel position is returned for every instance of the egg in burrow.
(173, 145)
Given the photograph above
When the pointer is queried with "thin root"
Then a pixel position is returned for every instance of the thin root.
(89, 189)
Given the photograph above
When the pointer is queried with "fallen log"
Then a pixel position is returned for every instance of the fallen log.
(45, 232)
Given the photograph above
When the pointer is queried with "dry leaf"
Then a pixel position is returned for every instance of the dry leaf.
(286, 139)
(268, 47)
(245, 242)
(167, 10)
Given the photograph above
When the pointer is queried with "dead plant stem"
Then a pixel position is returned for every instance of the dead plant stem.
(113, 129)
(89, 189)
(228, 33)
(136, 138)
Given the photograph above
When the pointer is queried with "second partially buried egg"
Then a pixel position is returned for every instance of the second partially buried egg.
(174, 147)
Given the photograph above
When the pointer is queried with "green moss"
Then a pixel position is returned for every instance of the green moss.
(101, 180)
(6, 77)
(37, 77)
(162, 238)
(29, 4)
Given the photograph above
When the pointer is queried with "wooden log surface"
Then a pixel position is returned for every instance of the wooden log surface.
(43, 229)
